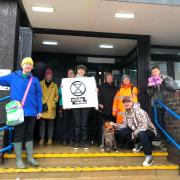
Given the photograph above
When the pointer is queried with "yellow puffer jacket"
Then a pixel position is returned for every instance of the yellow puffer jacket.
(118, 107)
(50, 94)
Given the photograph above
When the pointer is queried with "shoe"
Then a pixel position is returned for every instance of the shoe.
(65, 143)
(49, 142)
(76, 146)
(148, 161)
(71, 143)
(137, 148)
(41, 142)
(86, 147)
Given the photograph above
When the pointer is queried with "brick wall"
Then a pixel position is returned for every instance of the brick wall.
(173, 126)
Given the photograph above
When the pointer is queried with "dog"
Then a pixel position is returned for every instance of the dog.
(108, 142)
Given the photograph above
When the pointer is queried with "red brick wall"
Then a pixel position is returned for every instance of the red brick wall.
(173, 126)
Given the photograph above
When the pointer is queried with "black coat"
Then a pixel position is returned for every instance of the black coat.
(106, 96)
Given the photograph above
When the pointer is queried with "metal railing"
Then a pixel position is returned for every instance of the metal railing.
(7, 128)
(172, 113)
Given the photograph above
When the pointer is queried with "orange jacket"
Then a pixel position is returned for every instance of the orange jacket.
(118, 107)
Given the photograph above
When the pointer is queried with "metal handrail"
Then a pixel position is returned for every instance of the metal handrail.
(4, 98)
(172, 113)
(10, 145)
(10, 129)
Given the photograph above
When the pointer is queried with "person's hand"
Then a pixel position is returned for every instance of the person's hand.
(38, 116)
(97, 90)
(101, 106)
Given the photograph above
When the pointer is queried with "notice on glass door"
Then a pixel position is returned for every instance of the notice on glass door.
(4, 72)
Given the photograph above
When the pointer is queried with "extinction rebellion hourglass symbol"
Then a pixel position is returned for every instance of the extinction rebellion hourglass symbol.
(78, 88)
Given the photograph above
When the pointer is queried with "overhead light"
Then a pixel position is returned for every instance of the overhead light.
(43, 9)
(53, 43)
(106, 46)
(178, 53)
(125, 15)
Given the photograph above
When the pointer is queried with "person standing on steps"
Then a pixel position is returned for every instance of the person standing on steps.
(23, 132)
(50, 99)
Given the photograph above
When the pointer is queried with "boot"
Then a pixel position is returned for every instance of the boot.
(18, 151)
(41, 142)
(49, 142)
(29, 151)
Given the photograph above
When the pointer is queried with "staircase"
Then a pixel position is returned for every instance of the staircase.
(61, 162)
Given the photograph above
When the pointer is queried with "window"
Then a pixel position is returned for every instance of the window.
(177, 72)
(161, 64)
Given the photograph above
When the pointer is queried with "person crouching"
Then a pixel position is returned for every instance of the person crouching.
(137, 124)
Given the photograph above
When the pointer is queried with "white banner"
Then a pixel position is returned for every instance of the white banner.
(79, 92)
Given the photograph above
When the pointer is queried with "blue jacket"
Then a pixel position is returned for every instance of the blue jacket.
(18, 84)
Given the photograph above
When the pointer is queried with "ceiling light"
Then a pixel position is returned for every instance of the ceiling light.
(106, 46)
(43, 9)
(53, 43)
(125, 15)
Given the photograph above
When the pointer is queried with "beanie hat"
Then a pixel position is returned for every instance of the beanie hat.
(27, 60)
(48, 71)
(125, 76)
(81, 66)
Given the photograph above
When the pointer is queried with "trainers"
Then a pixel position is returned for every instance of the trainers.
(86, 147)
(148, 161)
(137, 148)
(76, 146)
(41, 142)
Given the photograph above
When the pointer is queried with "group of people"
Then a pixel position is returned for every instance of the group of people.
(117, 105)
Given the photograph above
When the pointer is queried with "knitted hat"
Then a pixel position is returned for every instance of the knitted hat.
(125, 76)
(27, 60)
(48, 71)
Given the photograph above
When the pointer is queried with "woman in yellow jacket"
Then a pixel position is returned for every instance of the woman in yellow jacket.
(50, 98)
(126, 89)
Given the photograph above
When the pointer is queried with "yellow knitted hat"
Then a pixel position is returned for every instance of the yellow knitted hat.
(27, 60)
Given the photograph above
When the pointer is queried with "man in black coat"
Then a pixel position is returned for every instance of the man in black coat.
(106, 94)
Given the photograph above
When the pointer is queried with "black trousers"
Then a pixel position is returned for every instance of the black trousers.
(68, 125)
(24, 131)
(144, 137)
(81, 119)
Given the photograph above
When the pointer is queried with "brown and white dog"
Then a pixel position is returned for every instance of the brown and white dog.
(108, 142)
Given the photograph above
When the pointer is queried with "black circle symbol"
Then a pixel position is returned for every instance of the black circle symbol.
(78, 88)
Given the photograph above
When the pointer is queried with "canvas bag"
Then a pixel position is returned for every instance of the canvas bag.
(14, 109)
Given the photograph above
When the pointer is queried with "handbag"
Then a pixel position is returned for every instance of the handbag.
(14, 109)
(45, 105)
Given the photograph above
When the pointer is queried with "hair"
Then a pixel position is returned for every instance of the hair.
(155, 67)
(107, 74)
(71, 69)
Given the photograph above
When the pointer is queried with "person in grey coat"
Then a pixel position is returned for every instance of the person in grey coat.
(158, 89)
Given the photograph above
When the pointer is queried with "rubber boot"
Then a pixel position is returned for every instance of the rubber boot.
(29, 151)
(18, 151)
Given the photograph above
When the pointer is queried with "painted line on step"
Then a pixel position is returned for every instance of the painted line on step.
(88, 169)
(86, 155)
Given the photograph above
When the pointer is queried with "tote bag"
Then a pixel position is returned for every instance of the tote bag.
(14, 109)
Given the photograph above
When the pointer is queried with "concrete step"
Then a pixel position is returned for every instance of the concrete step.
(77, 172)
(89, 159)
